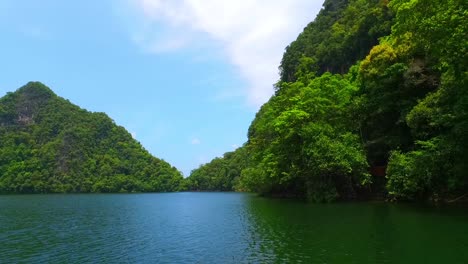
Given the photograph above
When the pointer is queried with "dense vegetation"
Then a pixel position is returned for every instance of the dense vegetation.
(221, 174)
(369, 83)
(49, 145)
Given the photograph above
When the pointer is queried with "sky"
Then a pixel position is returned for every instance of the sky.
(184, 77)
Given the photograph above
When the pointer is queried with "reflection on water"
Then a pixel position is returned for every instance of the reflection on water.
(225, 228)
(295, 232)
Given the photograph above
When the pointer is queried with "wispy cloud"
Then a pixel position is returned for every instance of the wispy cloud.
(253, 34)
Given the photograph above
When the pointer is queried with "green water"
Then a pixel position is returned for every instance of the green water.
(225, 228)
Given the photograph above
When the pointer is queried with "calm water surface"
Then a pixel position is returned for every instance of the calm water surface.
(225, 228)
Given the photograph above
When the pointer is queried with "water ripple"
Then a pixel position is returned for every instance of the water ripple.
(223, 228)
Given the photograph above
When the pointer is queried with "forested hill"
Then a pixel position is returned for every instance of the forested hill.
(49, 145)
(372, 98)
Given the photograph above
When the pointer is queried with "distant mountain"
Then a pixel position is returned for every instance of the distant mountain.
(49, 145)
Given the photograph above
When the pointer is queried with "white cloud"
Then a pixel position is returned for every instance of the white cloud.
(253, 33)
(196, 141)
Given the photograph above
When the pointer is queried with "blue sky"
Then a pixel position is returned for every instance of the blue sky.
(185, 77)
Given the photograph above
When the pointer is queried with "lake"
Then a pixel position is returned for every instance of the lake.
(225, 228)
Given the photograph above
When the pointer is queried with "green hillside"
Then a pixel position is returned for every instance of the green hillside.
(49, 145)
(368, 85)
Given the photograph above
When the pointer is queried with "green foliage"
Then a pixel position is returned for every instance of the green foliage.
(343, 32)
(419, 174)
(368, 82)
(300, 142)
(436, 165)
(221, 174)
(402, 101)
(50, 145)
(437, 28)
(388, 91)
